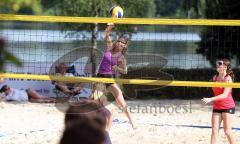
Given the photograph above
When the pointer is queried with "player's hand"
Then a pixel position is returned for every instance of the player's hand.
(206, 100)
(121, 62)
(1, 80)
(115, 68)
(110, 24)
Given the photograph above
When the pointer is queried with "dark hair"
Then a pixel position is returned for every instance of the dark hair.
(4, 88)
(87, 110)
(229, 71)
(85, 132)
(60, 67)
(85, 122)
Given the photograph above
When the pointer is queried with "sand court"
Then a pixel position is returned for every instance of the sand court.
(158, 122)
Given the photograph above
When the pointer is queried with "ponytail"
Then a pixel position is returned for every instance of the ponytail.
(230, 73)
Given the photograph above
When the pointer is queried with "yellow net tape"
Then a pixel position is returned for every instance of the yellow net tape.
(151, 21)
(122, 81)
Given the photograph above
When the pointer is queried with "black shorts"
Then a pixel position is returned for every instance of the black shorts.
(106, 76)
(231, 110)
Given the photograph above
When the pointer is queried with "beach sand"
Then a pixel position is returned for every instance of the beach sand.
(158, 122)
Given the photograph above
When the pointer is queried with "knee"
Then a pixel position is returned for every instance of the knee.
(215, 130)
(227, 132)
(29, 90)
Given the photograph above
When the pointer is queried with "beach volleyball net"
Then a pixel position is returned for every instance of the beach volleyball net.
(161, 52)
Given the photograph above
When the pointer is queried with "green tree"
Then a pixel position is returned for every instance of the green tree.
(169, 8)
(5, 57)
(194, 8)
(100, 8)
(220, 41)
(49, 7)
(21, 6)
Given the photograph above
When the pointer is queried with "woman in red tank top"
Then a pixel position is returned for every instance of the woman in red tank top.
(223, 103)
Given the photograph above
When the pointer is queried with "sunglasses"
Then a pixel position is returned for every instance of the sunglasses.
(121, 42)
(219, 63)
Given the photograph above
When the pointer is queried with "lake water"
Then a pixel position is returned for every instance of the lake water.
(38, 49)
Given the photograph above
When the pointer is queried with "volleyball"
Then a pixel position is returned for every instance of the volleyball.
(116, 11)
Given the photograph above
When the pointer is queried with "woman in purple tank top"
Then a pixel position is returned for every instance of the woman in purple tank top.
(114, 61)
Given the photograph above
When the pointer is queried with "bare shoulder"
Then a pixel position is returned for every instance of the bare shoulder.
(228, 79)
